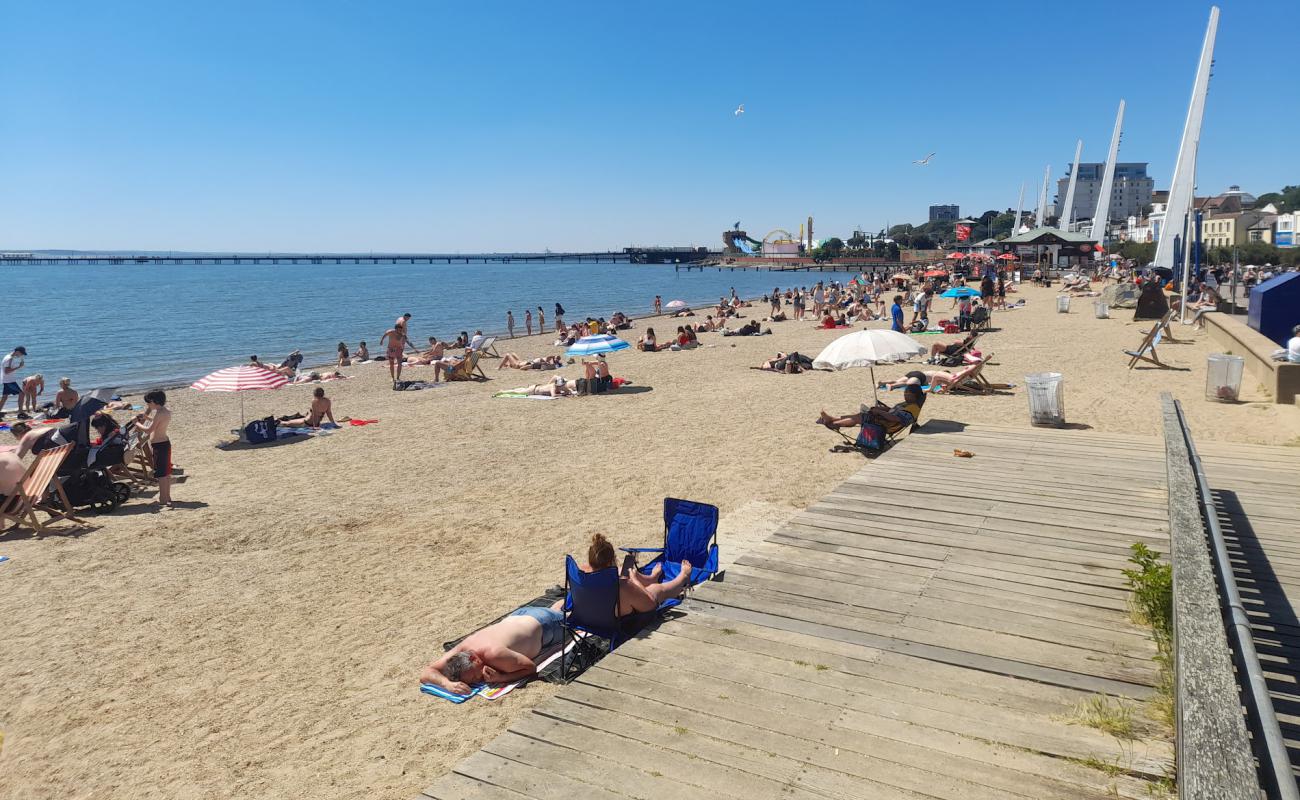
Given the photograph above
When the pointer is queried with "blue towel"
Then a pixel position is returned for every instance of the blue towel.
(3, 559)
(438, 691)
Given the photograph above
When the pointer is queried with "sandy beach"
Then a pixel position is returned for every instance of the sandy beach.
(264, 639)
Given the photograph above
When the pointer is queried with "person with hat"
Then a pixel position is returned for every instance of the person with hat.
(9, 367)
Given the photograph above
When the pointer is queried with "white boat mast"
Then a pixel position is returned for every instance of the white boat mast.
(1182, 188)
(1067, 211)
(1019, 205)
(1102, 217)
(1042, 197)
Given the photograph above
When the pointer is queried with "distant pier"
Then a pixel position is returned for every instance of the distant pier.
(633, 255)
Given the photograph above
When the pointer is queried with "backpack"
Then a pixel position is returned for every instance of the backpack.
(261, 430)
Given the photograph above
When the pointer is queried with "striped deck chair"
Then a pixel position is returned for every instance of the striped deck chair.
(976, 383)
(1147, 350)
(137, 467)
(32, 493)
(468, 369)
(489, 347)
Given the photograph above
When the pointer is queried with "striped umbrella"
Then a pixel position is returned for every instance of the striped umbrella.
(244, 378)
(591, 345)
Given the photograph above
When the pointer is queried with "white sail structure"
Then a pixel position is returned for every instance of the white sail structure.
(1067, 211)
(1182, 187)
(1101, 218)
(1042, 197)
(1019, 205)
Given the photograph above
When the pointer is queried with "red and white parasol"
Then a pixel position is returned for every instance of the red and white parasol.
(245, 378)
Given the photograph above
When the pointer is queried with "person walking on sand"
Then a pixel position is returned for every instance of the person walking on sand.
(528, 321)
(659, 305)
(510, 323)
(9, 367)
(153, 424)
(397, 340)
(559, 316)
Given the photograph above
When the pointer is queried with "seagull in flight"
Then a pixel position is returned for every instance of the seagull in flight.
(924, 161)
(740, 109)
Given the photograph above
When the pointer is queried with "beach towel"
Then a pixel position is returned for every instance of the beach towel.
(924, 387)
(359, 422)
(522, 396)
(438, 691)
(3, 559)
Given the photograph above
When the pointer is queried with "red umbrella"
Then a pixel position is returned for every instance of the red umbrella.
(936, 273)
(952, 256)
(243, 378)
(1009, 257)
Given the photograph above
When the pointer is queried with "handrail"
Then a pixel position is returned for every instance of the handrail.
(1275, 762)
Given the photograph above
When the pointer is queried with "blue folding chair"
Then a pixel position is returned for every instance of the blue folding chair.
(690, 533)
(590, 605)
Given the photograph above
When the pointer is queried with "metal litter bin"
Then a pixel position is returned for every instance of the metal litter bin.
(1046, 398)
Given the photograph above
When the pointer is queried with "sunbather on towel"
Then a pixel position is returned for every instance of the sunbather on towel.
(320, 409)
(514, 361)
(502, 652)
(556, 387)
(891, 419)
(636, 592)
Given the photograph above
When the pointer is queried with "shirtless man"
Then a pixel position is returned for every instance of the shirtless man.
(153, 423)
(397, 340)
(500, 653)
(321, 408)
(66, 398)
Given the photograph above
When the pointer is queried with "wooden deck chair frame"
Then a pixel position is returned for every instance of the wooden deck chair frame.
(469, 369)
(489, 347)
(138, 466)
(1167, 330)
(1147, 350)
(29, 496)
(976, 383)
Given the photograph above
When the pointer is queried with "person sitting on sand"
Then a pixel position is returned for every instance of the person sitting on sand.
(462, 341)
(790, 364)
(344, 359)
(515, 362)
(31, 387)
(502, 652)
(436, 351)
(828, 321)
(648, 343)
(692, 339)
(321, 409)
(682, 339)
(637, 593)
(363, 353)
(65, 399)
(891, 420)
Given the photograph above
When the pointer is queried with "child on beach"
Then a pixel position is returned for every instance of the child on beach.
(153, 424)
(363, 353)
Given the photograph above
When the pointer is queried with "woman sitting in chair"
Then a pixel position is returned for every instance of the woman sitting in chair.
(637, 593)
(889, 420)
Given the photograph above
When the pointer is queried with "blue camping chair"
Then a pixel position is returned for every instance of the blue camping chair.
(691, 533)
(590, 605)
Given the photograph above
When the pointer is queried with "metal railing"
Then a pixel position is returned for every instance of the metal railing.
(1270, 747)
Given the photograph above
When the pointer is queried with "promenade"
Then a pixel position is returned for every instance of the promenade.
(934, 627)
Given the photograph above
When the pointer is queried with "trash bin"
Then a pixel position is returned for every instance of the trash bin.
(1063, 303)
(1101, 308)
(1223, 377)
(1046, 398)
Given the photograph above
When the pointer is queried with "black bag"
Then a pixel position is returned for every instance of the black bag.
(260, 430)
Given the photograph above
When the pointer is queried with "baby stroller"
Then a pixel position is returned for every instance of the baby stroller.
(84, 473)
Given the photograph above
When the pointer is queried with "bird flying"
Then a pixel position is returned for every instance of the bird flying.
(922, 162)
(740, 109)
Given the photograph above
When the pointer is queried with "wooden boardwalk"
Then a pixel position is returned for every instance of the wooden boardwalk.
(1257, 494)
(930, 629)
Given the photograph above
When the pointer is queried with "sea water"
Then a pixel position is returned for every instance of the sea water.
(139, 325)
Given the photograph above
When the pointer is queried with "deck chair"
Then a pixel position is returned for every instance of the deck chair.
(489, 347)
(32, 493)
(690, 533)
(468, 369)
(872, 443)
(137, 467)
(1147, 350)
(1166, 329)
(955, 359)
(976, 383)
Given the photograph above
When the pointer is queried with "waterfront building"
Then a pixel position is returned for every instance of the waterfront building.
(945, 213)
(1227, 230)
(1286, 230)
(1130, 193)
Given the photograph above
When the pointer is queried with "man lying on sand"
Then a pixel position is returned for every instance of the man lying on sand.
(501, 652)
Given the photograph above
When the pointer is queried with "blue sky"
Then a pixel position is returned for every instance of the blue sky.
(423, 126)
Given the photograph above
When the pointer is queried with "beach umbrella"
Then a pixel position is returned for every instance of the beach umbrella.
(1009, 257)
(676, 305)
(954, 256)
(591, 345)
(901, 276)
(960, 291)
(936, 273)
(867, 348)
(244, 378)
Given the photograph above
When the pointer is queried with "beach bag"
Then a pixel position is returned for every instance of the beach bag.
(871, 437)
(260, 430)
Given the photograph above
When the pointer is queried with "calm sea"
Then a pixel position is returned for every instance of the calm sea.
(136, 326)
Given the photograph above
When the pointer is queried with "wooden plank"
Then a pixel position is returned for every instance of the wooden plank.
(454, 786)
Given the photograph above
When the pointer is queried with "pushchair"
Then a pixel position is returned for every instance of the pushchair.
(85, 472)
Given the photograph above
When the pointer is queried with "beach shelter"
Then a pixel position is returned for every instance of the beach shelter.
(244, 378)
(591, 345)
(867, 348)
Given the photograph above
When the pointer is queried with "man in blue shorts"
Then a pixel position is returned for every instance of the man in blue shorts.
(500, 653)
(896, 314)
(9, 367)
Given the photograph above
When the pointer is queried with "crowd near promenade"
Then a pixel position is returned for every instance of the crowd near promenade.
(263, 634)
